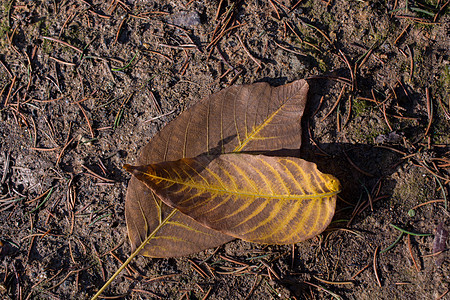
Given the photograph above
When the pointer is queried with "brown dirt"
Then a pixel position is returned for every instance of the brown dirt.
(59, 245)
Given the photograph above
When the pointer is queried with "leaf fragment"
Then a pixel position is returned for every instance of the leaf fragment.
(440, 240)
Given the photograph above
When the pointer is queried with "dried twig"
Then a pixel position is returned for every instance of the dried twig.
(356, 167)
(96, 175)
(295, 5)
(248, 53)
(375, 266)
(411, 63)
(429, 110)
(411, 253)
(275, 9)
(6, 69)
(335, 104)
(62, 43)
(361, 270)
(333, 282)
(87, 120)
(352, 74)
(119, 29)
(13, 81)
(401, 34)
(439, 12)
(289, 50)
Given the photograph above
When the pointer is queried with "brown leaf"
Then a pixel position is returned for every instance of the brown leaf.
(254, 117)
(258, 198)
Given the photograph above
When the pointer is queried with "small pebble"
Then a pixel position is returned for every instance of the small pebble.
(185, 18)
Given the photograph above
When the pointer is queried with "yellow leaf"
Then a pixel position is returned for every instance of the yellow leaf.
(263, 199)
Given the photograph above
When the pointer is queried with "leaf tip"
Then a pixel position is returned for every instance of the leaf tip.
(333, 184)
(140, 172)
(128, 168)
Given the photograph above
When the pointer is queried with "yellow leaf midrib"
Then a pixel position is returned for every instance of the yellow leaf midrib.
(256, 130)
(215, 190)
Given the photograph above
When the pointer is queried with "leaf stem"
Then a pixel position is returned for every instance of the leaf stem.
(136, 252)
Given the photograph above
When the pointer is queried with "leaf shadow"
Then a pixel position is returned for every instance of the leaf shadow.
(359, 167)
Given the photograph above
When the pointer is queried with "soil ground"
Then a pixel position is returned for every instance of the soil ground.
(85, 84)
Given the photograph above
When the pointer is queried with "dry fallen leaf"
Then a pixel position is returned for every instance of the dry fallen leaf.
(258, 198)
(439, 243)
(254, 117)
